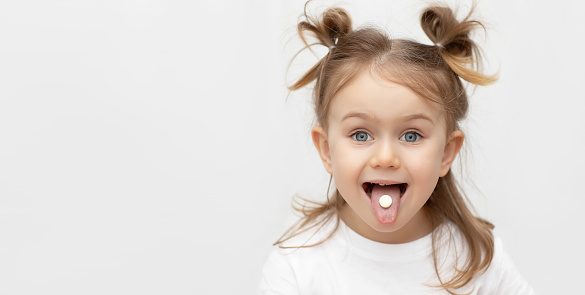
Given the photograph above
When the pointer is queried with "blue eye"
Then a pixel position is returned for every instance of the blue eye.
(361, 136)
(411, 136)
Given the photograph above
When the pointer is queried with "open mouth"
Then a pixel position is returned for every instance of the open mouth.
(368, 186)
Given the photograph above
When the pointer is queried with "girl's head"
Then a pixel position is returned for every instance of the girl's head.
(382, 90)
(388, 112)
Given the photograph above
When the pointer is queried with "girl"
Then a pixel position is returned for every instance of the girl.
(388, 113)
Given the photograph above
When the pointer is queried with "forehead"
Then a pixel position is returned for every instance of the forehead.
(382, 99)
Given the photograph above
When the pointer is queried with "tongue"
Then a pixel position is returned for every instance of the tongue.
(385, 215)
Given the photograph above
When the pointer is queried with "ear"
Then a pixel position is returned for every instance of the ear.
(322, 145)
(452, 147)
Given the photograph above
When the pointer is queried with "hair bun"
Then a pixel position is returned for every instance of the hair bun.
(457, 48)
(334, 23)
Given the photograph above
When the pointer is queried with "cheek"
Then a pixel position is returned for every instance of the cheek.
(346, 161)
(341, 158)
(428, 164)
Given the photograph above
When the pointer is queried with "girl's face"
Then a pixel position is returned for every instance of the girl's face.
(380, 132)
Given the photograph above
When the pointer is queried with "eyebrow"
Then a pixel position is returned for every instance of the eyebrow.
(416, 117)
(369, 117)
(364, 116)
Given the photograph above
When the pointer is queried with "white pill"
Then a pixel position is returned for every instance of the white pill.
(385, 201)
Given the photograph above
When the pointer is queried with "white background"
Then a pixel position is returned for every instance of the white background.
(148, 147)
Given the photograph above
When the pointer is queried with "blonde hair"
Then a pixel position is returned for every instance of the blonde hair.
(434, 72)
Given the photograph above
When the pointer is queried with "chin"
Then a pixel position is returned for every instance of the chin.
(385, 228)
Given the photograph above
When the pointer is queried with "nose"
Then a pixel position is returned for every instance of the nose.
(385, 156)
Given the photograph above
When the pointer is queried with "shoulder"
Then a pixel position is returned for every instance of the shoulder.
(500, 277)
(503, 273)
(278, 275)
(295, 261)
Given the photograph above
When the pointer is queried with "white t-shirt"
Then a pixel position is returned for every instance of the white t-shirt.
(350, 264)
